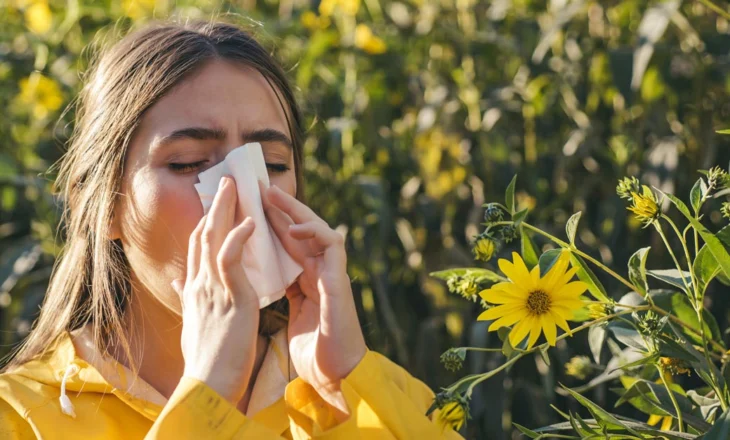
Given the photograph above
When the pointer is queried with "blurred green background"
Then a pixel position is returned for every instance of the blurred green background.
(418, 112)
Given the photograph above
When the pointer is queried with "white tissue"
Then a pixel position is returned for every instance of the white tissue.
(269, 268)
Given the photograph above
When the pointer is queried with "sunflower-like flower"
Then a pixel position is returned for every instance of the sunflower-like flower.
(645, 207)
(454, 413)
(534, 304)
(484, 247)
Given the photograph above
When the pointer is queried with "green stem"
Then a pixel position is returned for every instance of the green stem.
(673, 399)
(716, 8)
(690, 266)
(659, 229)
(582, 254)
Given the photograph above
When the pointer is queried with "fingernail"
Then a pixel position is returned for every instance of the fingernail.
(223, 182)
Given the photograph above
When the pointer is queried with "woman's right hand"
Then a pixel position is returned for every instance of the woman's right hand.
(220, 309)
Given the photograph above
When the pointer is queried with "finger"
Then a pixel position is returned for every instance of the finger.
(232, 272)
(194, 250)
(220, 221)
(298, 211)
(326, 241)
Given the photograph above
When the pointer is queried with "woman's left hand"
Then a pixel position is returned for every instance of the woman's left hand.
(325, 339)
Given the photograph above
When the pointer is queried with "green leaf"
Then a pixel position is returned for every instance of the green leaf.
(481, 275)
(653, 398)
(529, 254)
(720, 429)
(706, 267)
(586, 275)
(610, 421)
(725, 131)
(572, 226)
(699, 190)
(673, 277)
(627, 334)
(716, 247)
(596, 338)
(509, 196)
(518, 217)
(637, 270)
(528, 432)
(548, 259)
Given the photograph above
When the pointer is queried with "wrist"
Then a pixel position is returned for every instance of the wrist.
(228, 389)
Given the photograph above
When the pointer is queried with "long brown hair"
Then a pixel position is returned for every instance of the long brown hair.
(91, 279)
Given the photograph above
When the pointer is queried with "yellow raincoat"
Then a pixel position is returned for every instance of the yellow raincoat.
(71, 393)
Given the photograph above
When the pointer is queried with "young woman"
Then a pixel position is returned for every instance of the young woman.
(150, 329)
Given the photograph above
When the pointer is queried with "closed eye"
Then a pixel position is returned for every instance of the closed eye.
(184, 168)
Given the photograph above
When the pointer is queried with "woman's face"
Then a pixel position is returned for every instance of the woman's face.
(192, 128)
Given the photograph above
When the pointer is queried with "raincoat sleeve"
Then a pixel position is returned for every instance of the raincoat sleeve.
(196, 411)
(385, 402)
(12, 425)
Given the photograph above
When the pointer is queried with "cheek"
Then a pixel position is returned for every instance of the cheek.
(160, 213)
(286, 182)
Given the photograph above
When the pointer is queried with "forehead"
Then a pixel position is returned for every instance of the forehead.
(220, 94)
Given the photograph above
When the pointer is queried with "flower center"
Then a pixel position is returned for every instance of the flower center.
(538, 302)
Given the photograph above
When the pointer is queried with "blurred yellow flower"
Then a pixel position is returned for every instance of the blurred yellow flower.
(38, 17)
(533, 303)
(365, 40)
(348, 7)
(40, 95)
(312, 21)
(439, 157)
(136, 9)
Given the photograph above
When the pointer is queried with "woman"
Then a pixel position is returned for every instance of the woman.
(148, 329)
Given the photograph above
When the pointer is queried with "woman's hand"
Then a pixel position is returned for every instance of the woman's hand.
(220, 308)
(325, 339)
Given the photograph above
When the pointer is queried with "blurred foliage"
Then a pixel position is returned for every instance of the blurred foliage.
(419, 111)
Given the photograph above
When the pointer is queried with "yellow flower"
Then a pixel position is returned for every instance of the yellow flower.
(347, 7)
(40, 94)
(578, 367)
(137, 9)
(452, 415)
(38, 18)
(312, 21)
(534, 304)
(484, 248)
(365, 40)
(644, 207)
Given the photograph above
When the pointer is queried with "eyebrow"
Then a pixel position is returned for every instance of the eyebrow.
(205, 134)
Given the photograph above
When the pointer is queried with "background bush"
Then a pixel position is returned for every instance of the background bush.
(418, 112)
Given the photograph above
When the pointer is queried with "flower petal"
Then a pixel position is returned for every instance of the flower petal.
(534, 332)
(517, 271)
(571, 304)
(500, 296)
(556, 273)
(507, 320)
(497, 312)
(561, 322)
(565, 279)
(519, 331)
(572, 290)
(548, 327)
